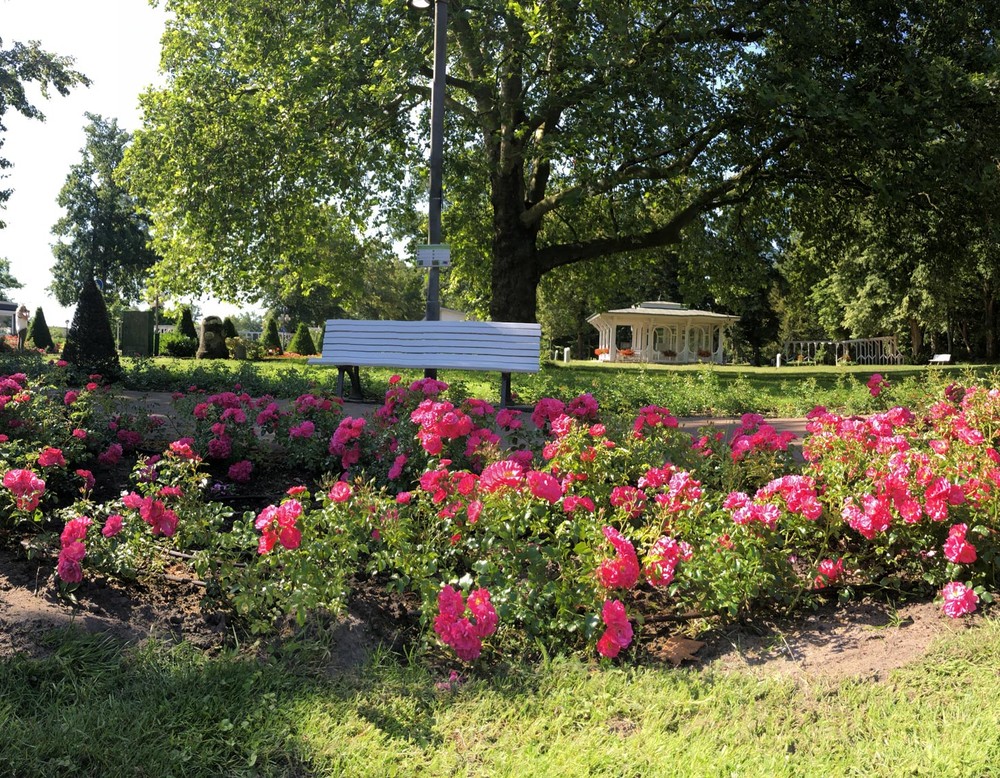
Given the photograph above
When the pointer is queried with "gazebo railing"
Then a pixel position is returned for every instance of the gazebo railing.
(863, 351)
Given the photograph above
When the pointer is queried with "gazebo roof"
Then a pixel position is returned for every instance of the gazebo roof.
(7, 307)
(666, 310)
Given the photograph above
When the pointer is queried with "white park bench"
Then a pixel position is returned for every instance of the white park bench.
(506, 347)
(941, 359)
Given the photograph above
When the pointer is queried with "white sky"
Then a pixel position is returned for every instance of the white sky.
(116, 44)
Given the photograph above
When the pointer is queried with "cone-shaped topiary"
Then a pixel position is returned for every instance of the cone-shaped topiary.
(271, 339)
(229, 328)
(185, 324)
(302, 342)
(38, 332)
(90, 344)
(212, 344)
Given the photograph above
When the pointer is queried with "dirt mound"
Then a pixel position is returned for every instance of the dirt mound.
(864, 639)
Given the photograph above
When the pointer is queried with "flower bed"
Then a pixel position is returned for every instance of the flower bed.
(555, 529)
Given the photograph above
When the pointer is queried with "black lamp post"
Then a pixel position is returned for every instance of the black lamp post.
(437, 145)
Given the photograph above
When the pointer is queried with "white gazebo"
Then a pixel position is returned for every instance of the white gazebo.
(661, 332)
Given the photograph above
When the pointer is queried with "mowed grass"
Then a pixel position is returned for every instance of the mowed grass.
(688, 390)
(93, 708)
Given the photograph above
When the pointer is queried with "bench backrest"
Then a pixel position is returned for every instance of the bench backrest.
(511, 347)
(941, 358)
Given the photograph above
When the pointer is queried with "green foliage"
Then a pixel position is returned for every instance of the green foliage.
(38, 332)
(302, 342)
(26, 65)
(270, 338)
(7, 281)
(185, 323)
(174, 344)
(714, 107)
(248, 322)
(554, 519)
(90, 344)
(229, 328)
(103, 235)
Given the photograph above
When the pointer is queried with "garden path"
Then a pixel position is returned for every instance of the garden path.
(160, 404)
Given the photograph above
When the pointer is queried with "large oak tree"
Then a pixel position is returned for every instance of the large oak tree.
(575, 129)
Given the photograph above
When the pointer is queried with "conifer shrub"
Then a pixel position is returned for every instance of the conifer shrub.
(271, 339)
(229, 328)
(185, 324)
(90, 344)
(212, 344)
(38, 332)
(302, 342)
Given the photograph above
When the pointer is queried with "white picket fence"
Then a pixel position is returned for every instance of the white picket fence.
(861, 351)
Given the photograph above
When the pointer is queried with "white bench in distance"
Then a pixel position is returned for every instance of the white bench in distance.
(507, 347)
(941, 359)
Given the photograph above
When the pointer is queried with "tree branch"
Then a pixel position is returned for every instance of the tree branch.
(722, 193)
(631, 170)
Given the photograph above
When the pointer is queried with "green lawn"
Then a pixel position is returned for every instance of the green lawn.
(688, 390)
(94, 709)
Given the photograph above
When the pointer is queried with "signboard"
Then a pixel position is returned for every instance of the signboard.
(434, 255)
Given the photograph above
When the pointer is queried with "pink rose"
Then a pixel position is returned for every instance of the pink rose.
(959, 599)
(341, 492)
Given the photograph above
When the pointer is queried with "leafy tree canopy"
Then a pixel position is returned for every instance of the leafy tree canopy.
(25, 64)
(7, 280)
(575, 130)
(103, 235)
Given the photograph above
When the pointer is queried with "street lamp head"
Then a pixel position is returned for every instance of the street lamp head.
(420, 5)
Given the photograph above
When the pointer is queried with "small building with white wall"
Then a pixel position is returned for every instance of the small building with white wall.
(8, 312)
(661, 332)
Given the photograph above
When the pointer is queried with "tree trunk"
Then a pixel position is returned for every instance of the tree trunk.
(515, 268)
(989, 314)
(916, 341)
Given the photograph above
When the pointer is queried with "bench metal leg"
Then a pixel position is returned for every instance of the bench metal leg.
(353, 372)
(504, 390)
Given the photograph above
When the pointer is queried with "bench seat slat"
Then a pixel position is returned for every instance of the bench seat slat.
(435, 364)
(504, 347)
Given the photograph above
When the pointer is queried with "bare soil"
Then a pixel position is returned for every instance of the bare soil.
(865, 639)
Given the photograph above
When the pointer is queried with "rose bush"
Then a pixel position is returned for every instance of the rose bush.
(554, 529)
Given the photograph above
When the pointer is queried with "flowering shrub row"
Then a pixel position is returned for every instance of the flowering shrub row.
(552, 528)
